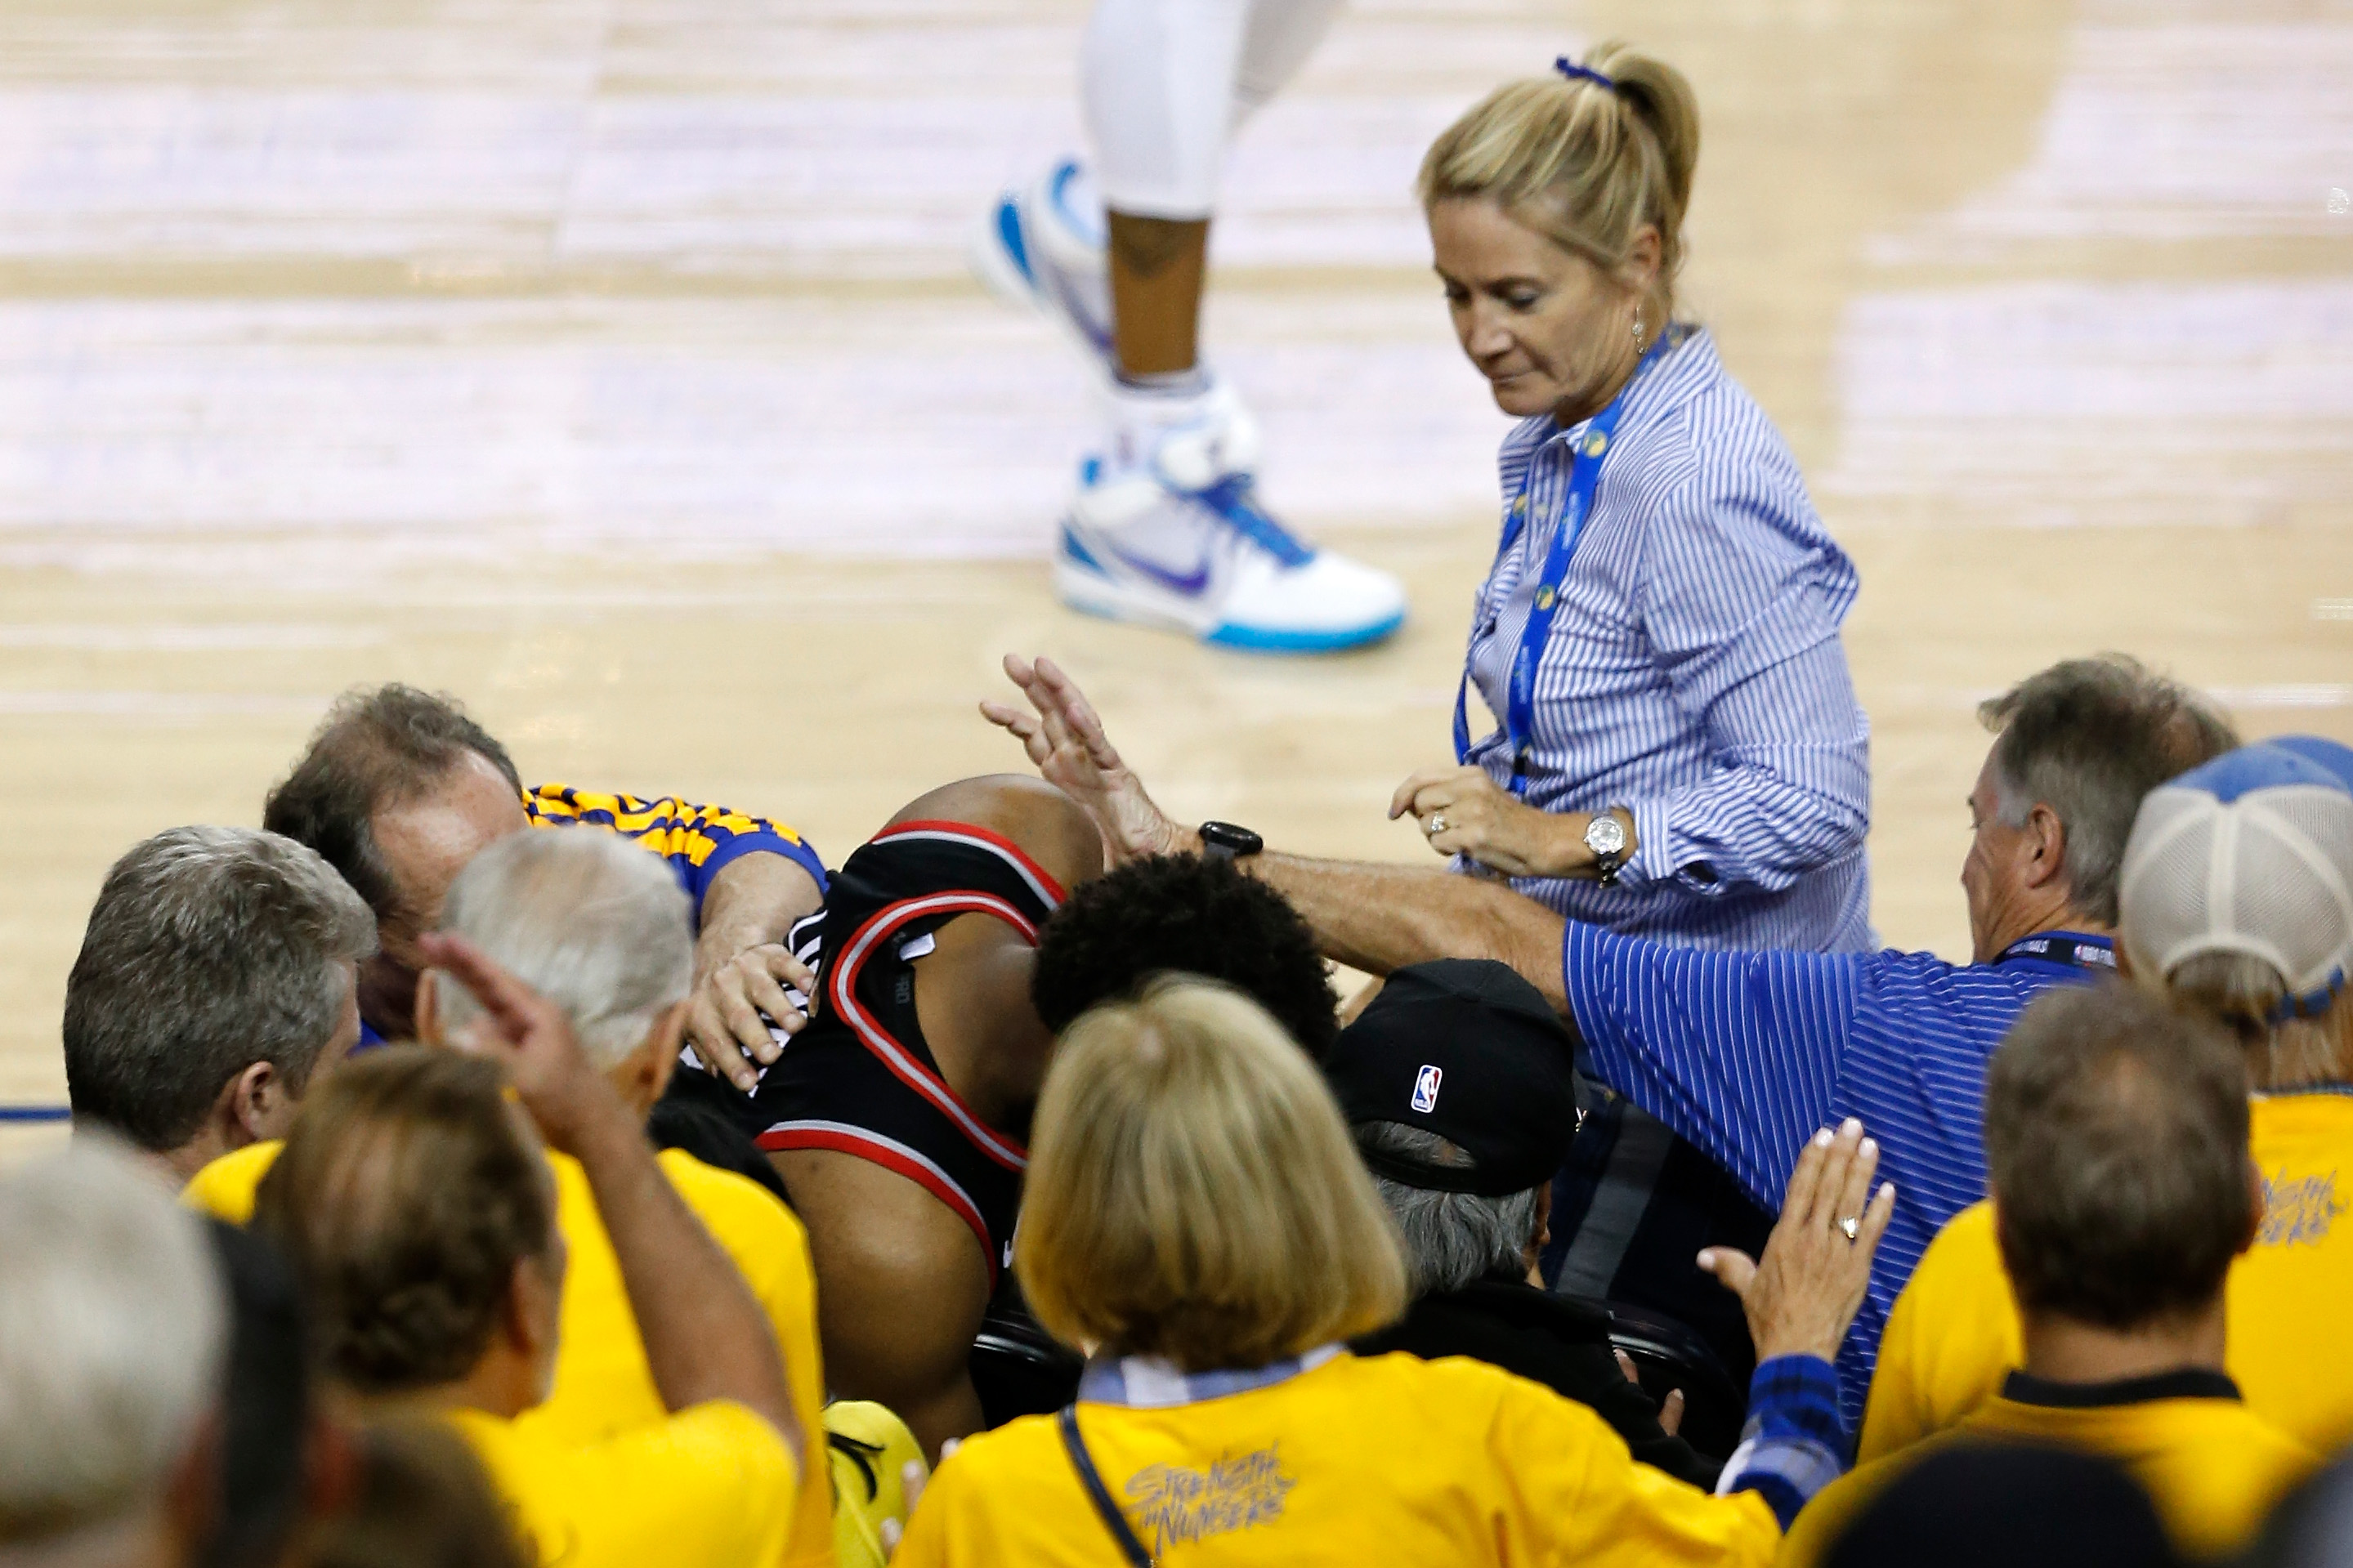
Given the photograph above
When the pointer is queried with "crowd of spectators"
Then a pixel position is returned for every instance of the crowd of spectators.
(406, 1220)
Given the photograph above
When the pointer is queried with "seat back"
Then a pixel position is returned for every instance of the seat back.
(1017, 1368)
(1667, 1356)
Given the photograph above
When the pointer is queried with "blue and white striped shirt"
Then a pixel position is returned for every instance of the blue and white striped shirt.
(1748, 1054)
(1693, 674)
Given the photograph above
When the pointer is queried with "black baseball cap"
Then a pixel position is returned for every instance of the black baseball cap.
(1467, 1050)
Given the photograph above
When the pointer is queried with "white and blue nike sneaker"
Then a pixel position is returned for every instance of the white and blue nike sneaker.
(1165, 531)
(1165, 528)
(1042, 246)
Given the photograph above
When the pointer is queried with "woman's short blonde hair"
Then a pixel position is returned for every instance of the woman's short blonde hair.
(1586, 166)
(1193, 1193)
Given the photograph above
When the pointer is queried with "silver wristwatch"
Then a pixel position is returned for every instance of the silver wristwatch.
(1605, 836)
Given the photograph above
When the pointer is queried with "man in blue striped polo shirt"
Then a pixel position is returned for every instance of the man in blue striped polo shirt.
(1746, 1053)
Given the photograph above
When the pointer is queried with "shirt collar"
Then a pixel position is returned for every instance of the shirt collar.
(1156, 1382)
(2189, 1383)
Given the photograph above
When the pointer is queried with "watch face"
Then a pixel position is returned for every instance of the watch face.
(1606, 836)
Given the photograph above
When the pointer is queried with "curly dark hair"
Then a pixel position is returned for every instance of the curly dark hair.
(1181, 912)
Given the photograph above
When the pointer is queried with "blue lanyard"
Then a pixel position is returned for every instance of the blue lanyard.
(2070, 947)
(1584, 477)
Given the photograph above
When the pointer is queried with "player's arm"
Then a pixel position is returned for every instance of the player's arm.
(1373, 917)
(902, 1289)
(706, 1336)
(750, 880)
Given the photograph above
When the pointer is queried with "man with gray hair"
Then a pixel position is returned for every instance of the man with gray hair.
(1748, 1054)
(114, 1333)
(2237, 905)
(1457, 1083)
(2116, 1132)
(593, 924)
(600, 928)
(216, 982)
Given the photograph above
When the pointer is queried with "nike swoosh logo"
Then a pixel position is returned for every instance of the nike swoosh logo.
(1189, 582)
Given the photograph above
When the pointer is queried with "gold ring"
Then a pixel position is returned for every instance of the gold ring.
(1851, 1227)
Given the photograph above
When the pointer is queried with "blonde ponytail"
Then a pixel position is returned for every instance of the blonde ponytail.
(1584, 163)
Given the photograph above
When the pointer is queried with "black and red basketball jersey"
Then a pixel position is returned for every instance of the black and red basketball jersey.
(861, 1079)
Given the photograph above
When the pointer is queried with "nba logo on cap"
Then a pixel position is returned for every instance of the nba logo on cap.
(1425, 1088)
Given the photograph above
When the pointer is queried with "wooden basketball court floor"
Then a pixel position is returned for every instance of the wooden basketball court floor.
(613, 365)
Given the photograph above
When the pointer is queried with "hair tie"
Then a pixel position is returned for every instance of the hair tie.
(1573, 71)
(2313, 1003)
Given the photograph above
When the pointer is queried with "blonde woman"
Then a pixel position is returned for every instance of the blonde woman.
(1679, 753)
(1197, 1218)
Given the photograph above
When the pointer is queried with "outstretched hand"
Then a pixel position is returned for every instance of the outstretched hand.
(553, 1077)
(1064, 738)
(1802, 1298)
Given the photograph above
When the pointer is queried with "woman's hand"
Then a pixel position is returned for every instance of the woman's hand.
(1463, 812)
(1801, 1299)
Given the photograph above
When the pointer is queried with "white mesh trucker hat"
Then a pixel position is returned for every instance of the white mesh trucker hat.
(2250, 853)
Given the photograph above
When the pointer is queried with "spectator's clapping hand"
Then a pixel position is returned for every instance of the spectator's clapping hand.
(1065, 738)
(1802, 1298)
(553, 1077)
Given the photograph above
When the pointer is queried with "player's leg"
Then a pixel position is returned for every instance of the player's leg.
(1166, 527)
(1158, 78)
(901, 1289)
(1280, 36)
(1166, 83)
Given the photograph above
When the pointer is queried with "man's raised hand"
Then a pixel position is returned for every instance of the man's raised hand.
(1064, 738)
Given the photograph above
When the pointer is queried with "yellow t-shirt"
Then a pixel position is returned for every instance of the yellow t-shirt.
(711, 1486)
(2214, 1468)
(1386, 1459)
(603, 1385)
(1954, 1333)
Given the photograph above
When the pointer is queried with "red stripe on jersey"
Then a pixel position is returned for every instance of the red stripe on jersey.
(842, 983)
(891, 1156)
(980, 839)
